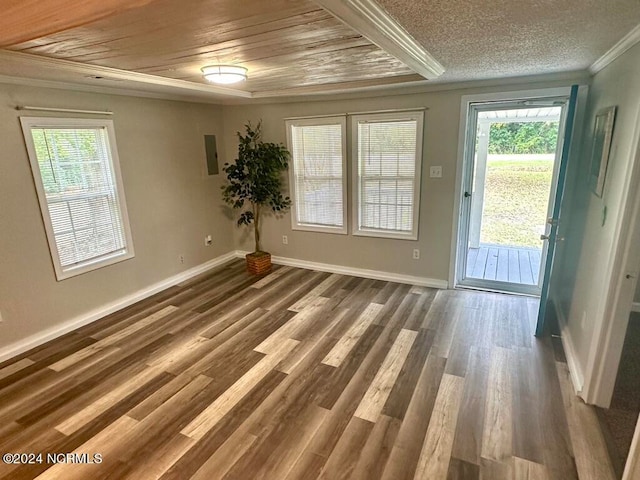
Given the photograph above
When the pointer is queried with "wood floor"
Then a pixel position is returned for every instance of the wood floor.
(504, 264)
(302, 375)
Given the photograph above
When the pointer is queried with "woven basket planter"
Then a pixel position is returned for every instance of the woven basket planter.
(258, 263)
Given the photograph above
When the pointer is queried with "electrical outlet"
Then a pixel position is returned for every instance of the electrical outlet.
(208, 240)
(285, 240)
(416, 253)
(435, 172)
(181, 258)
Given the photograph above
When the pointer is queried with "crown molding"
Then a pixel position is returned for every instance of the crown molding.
(81, 72)
(25, 70)
(336, 88)
(368, 19)
(40, 71)
(192, 97)
(625, 43)
(545, 80)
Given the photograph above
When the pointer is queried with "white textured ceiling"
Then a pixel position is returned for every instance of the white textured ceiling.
(480, 39)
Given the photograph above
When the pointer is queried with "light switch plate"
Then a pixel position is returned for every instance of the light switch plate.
(435, 172)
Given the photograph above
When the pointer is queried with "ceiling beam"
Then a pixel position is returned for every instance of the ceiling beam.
(372, 22)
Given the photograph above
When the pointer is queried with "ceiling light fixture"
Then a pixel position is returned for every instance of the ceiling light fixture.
(224, 74)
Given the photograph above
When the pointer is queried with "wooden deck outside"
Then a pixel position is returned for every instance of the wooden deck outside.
(504, 264)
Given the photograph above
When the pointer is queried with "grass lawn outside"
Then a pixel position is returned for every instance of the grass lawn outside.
(515, 202)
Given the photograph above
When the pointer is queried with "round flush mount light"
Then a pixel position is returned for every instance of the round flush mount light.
(224, 74)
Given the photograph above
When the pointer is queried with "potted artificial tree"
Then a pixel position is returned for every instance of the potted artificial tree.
(255, 178)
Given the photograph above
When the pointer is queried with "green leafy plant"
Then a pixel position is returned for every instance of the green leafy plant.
(523, 138)
(256, 179)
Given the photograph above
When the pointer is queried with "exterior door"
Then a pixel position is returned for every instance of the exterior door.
(512, 169)
(552, 237)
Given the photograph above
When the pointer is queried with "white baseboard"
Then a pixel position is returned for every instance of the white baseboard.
(39, 338)
(635, 307)
(51, 333)
(577, 377)
(357, 272)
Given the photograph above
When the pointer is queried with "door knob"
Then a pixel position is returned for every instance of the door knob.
(544, 237)
(467, 194)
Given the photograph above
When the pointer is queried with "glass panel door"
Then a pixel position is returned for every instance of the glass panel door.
(511, 167)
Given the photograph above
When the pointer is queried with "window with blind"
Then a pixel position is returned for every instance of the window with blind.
(318, 174)
(387, 152)
(77, 177)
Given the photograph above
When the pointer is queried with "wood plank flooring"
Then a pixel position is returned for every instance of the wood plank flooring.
(302, 375)
(504, 264)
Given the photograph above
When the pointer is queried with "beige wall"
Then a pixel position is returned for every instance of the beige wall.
(590, 243)
(172, 206)
(442, 121)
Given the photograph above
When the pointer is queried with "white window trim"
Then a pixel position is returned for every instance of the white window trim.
(28, 123)
(338, 119)
(418, 116)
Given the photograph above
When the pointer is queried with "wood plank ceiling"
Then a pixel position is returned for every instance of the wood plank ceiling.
(285, 44)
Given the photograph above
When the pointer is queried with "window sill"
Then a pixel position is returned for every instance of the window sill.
(69, 272)
(383, 234)
(319, 229)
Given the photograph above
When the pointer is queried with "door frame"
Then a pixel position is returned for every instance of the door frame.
(467, 210)
(624, 269)
(632, 465)
(464, 146)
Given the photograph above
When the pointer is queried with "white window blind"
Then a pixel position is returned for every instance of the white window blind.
(79, 191)
(318, 173)
(388, 161)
